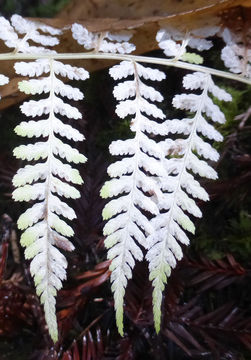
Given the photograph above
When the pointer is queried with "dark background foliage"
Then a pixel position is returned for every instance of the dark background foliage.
(206, 307)
(32, 8)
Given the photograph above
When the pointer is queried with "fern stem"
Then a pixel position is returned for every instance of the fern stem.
(137, 58)
(48, 180)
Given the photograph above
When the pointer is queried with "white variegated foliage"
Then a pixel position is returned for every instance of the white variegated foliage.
(44, 182)
(3, 81)
(174, 42)
(132, 184)
(152, 187)
(183, 159)
(29, 31)
(104, 41)
(236, 55)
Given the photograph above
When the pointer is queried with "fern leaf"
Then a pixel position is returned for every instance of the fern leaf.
(236, 56)
(33, 128)
(9, 33)
(43, 225)
(3, 80)
(129, 226)
(174, 42)
(104, 41)
(183, 156)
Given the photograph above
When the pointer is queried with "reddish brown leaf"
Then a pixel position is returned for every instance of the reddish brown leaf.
(67, 356)
(177, 341)
(3, 260)
(207, 274)
(75, 351)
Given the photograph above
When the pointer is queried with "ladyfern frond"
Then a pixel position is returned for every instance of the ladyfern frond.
(43, 225)
(183, 159)
(128, 225)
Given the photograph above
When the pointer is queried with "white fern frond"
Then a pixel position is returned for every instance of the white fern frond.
(183, 157)
(9, 33)
(33, 128)
(37, 108)
(235, 55)
(43, 223)
(104, 41)
(153, 187)
(3, 81)
(174, 42)
(42, 86)
(24, 26)
(129, 226)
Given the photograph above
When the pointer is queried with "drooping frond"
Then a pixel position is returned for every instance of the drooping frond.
(131, 186)
(47, 180)
(183, 159)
